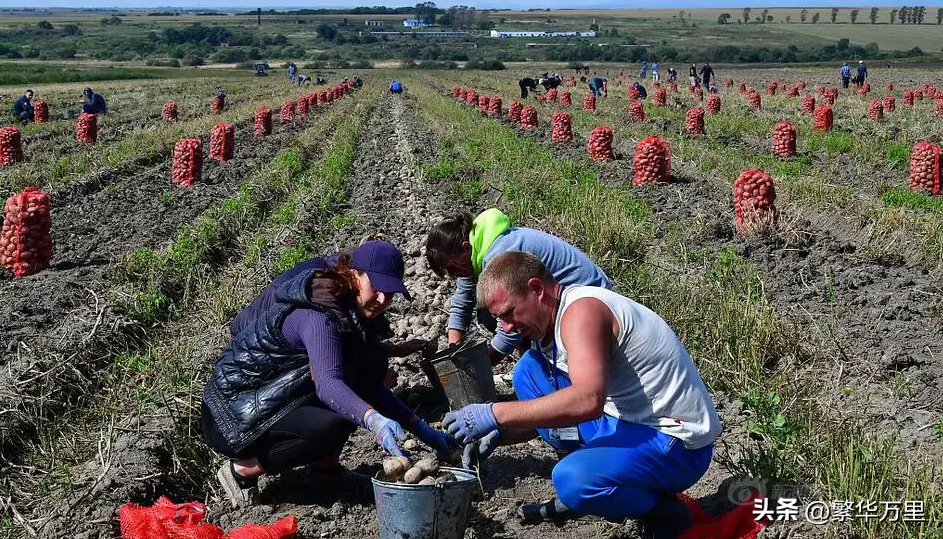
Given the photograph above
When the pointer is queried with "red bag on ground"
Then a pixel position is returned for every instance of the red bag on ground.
(25, 242)
(739, 523)
(167, 520)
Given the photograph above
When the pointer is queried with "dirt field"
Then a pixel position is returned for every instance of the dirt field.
(818, 340)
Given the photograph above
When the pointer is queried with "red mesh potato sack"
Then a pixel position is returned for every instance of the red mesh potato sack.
(875, 110)
(222, 142)
(600, 143)
(287, 111)
(589, 102)
(889, 103)
(823, 118)
(566, 99)
(514, 111)
(753, 100)
(661, 97)
(754, 200)
(784, 139)
(637, 111)
(652, 161)
(263, 121)
(528, 117)
(40, 111)
(86, 128)
(11, 146)
(25, 241)
(925, 167)
(188, 161)
(169, 112)
(694, 121)
(561, 127)
(495, 105)
(713, 104)
(483, 103)
(808, 104)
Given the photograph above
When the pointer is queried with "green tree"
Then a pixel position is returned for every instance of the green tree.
(764, 15)
(44, 25)
(815, 17)
(854, 16)
(893, 16)
(874, 15)
(939, 15)
(746, 15)
(802, 15)
(834, 14)
(723, 18)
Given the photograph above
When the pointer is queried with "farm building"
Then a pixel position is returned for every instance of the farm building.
(422, 34)
(415, 23)
(373, 23)
(508, 33)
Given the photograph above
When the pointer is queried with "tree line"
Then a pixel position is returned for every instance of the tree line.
(902, 15)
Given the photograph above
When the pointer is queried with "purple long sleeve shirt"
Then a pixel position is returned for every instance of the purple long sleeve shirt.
(314, 331)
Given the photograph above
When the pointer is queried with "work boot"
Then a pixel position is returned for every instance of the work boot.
(241, 491)
(552, 510)
(667, 519)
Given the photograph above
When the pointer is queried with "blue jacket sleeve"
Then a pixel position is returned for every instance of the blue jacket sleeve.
(389, 405)
(462, 305)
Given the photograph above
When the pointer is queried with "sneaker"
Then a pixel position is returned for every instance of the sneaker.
(239, 496)
(549, 511)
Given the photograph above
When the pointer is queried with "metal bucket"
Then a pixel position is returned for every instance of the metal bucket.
(437, 511)
(463, 372)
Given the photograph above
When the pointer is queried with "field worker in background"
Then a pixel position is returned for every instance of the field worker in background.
(845, 75)
(93, 103)
(463, 246)
(358, 82)
(303, 79)
(862, 74)
(672, 75)
(655, 72)
(222, 98)
(598, 85)
(23, 108)
(643, 74)
(527, 84)
(396, 87)
(292, 70)
(692, 75)
(642, 93)
(305, 368)
(611, 383)
(707, 75)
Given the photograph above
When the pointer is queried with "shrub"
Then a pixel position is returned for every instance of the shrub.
(485, 65)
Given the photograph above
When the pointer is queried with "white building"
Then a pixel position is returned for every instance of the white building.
(506, 33)
(415, 23)
(373, 23)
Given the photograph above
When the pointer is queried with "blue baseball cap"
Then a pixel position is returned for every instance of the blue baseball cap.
(383, 263)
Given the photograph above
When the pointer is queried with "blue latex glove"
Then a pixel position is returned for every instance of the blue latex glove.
(441, 442)
(387, 433)
(477, 452)
(471, 423)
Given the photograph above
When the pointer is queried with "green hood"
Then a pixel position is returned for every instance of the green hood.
(485, 229)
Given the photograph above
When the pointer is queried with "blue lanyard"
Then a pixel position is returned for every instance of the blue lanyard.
(553, 368)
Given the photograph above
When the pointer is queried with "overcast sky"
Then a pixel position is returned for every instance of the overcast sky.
(511, 4)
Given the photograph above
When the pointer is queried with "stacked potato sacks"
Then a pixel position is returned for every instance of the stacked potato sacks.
(694, 121)
(217, 105)
(637, 111)
(86, 128)
(652, 161)
(661, 97)
(286, 112)
(302, 107)
(552, 95)
(754, 200)
(875, 110)
(793, 91)
(263, 121)
(483, 103)
(322, 98)
(938, 107)
(514, 111)
(784, 139)
(529, 117)
(222, 142)
(11, 146)
(589, 102)
(742, 88)
(462, 94)
(908, 98)
(25, 241)
(925, 167)
(169, 112)
(40, 112)
(471, 97)
(713, 104)
(771, 88)
(631, 94)
(600, 143)
(753, 100)
(561, 127)
(566, 99)
(808, 104)
(823, 118)
(455, 91)
(889, 103)
(188, 161)
(495, 105)
(699, 94)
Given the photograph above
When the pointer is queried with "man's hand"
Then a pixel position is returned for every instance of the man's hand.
(455, 335)
(475, 453)
(441, 442)
(471, 423)
(407, 348)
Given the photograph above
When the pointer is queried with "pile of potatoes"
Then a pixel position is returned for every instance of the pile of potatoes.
(422, 472)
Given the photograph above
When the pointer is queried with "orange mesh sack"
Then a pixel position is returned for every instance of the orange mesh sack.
(25, 241)
(925, 167)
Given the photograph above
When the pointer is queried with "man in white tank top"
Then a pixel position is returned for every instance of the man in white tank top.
(611, 384)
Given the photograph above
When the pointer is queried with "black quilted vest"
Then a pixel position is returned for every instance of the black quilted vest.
(260, 377)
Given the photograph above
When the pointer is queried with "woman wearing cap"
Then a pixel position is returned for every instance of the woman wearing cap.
(306, 366)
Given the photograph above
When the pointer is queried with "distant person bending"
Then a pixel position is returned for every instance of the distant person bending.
(597, 85)
(672, 75)
(93, 103)
(396, 87)
(642, 93)
(23, 108)
(526, 84)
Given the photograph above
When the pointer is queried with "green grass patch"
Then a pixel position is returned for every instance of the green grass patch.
(39, 73)
(444, 168)
(895, 197)
(834, 142)
(898, 155)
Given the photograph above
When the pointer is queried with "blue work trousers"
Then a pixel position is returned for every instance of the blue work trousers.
(616, 469)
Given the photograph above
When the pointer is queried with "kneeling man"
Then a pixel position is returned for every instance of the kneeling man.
(611, 385)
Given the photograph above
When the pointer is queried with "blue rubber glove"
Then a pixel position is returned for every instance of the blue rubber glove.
(471, 423)
(477, 452)
(387, 432)
(441, 442)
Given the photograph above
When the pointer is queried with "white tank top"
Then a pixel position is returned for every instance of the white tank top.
(651, 380)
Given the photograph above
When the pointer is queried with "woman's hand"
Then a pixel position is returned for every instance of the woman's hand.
(439, 441)
(407, 348)
(387, 432)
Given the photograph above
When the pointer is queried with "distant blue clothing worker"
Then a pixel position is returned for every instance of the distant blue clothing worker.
(642, 92)
(597, 85)
(655, 72)
(292, 71)
(845, 75)
(862, 73)
(23, 108)
(644, 72)
(396, 87)
(93, 103)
